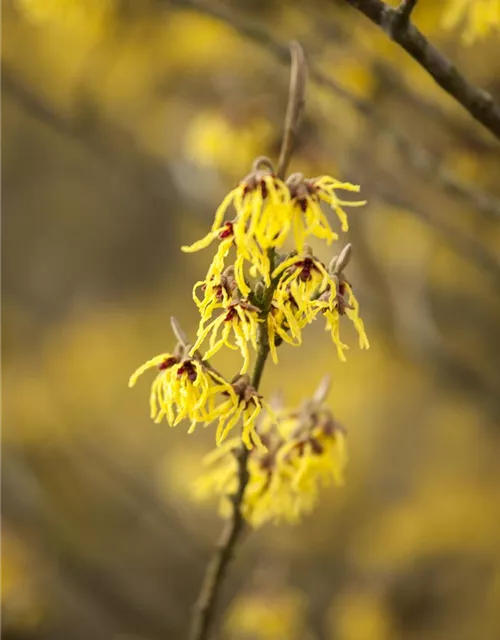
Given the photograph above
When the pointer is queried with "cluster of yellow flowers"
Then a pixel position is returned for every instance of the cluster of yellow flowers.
(305, 448)
(478, 17)
(188, 388)
(269, 211)
(254, 298)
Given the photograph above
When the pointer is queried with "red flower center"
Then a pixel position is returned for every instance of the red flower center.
(227, 232)
(189, 369)
(167, 363)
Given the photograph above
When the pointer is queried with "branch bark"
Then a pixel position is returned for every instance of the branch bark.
(476, 101)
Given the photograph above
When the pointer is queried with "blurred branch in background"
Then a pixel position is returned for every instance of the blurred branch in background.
(135, 169)
(127, 180)
(396, 23)
(101, 589)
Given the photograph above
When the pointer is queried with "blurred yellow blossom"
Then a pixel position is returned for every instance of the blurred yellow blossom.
(23, 604)
(301, 212)
(87, 16)
(267, 614)
(358, 614)
(248, 410)
(304, 448)
(344, 302)
(184, 388)
(213, 140)
(479, 18)
(239, 318)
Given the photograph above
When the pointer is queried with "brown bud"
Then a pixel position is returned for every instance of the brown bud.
(322, 390)
(262, 162)
(178, 332)
(343, 260)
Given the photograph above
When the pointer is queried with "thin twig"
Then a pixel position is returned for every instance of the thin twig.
(206, 604)
(476, 101)
(404, 11)
(295, 107)
(179, 333)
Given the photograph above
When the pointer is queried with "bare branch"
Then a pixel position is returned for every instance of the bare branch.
(323, 389)
(295, 107)
(178, 331)
(477, 102)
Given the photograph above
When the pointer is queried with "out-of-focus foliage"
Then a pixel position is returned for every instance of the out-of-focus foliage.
(481, 17)
(268, 610)
(123, 125)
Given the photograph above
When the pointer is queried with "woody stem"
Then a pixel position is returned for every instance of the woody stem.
(295, 107)
(214, 576)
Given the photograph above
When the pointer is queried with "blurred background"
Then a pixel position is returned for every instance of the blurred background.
(124, 124)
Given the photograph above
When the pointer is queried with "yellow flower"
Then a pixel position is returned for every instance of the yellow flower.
(258, 191)
(303, 277)
(345, 303)
(218, 292)
(282, 319)
(304, 449)
(185, 388)
(221, 479)
(239, 318)
(319, 456)
(480, 17)
(300, 279)
(313, 453)
(302, 215)
(248, 409)
(305, 288)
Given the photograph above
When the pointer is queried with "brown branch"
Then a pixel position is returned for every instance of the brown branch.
(295, 107)
(404, 11)
(477, 102)
(206, 604)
